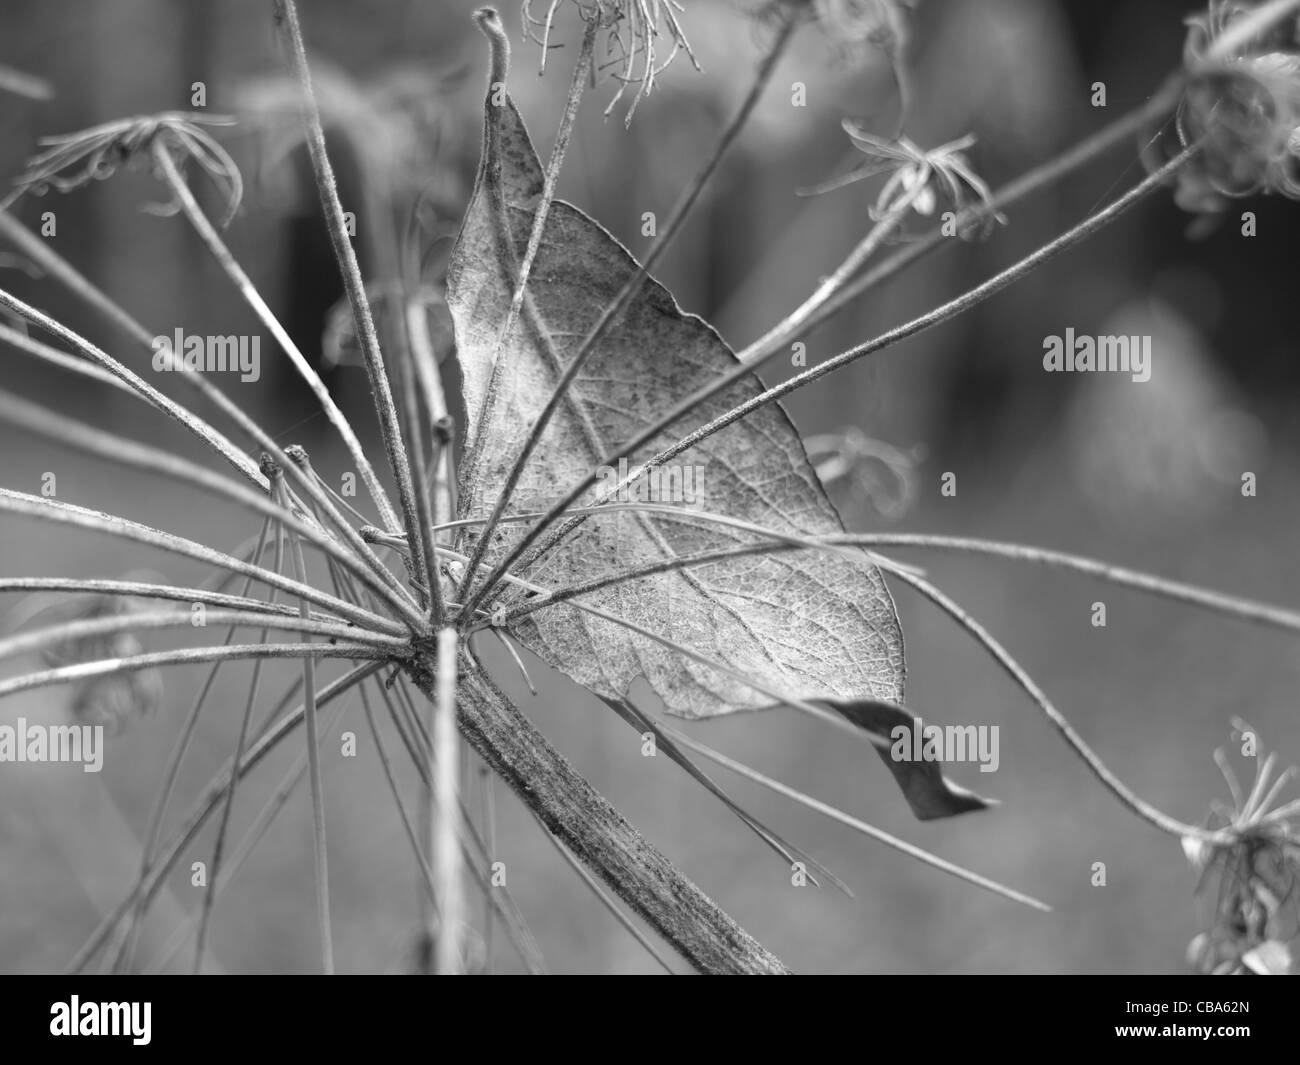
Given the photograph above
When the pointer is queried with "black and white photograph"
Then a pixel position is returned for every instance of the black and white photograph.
(650, 487)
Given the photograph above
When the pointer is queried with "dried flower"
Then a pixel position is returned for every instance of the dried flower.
(1257, 908)
(919, 176)
(76, 159)
(1242, 104)
(636, 30)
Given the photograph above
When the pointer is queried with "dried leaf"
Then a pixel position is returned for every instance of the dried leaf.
(806, 624)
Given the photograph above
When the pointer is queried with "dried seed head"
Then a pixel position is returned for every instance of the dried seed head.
(638, 34)
(1242, 104)
(76, 159)
(1255, 875)
(919, 178)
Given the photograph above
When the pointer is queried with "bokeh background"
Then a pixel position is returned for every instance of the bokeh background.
(1142, 475)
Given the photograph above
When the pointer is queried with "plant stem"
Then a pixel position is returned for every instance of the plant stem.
(478, 851)
(1205, 598)
(1109, 781)
(601, 837)
(187, 657)
(36, 640)
(444, 847)
(798, 321)
(66, 513)
(313, 769)
(149, 591)
(858, 825)
(426, 560)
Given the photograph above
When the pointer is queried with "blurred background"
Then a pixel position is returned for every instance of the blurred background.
(1146, 476)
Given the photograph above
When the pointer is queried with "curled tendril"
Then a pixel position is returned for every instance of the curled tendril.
(73, 160)
(636, 30)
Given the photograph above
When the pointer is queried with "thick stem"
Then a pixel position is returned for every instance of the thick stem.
(600, 836)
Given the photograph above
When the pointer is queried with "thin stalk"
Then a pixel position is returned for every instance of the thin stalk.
(144, 621)
(20, 341)
(444, 846)
(826, 810)
(426, 560)
(145, 590)
(797, 322)
(32, 506)
(426, 872)
(477, 852)
(1023, 680)
(610, 315)
(424, 362)
(223, 825)
(244, 285)
(188, 656)
(1194, 595)
(314, 776)
(353, 283)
